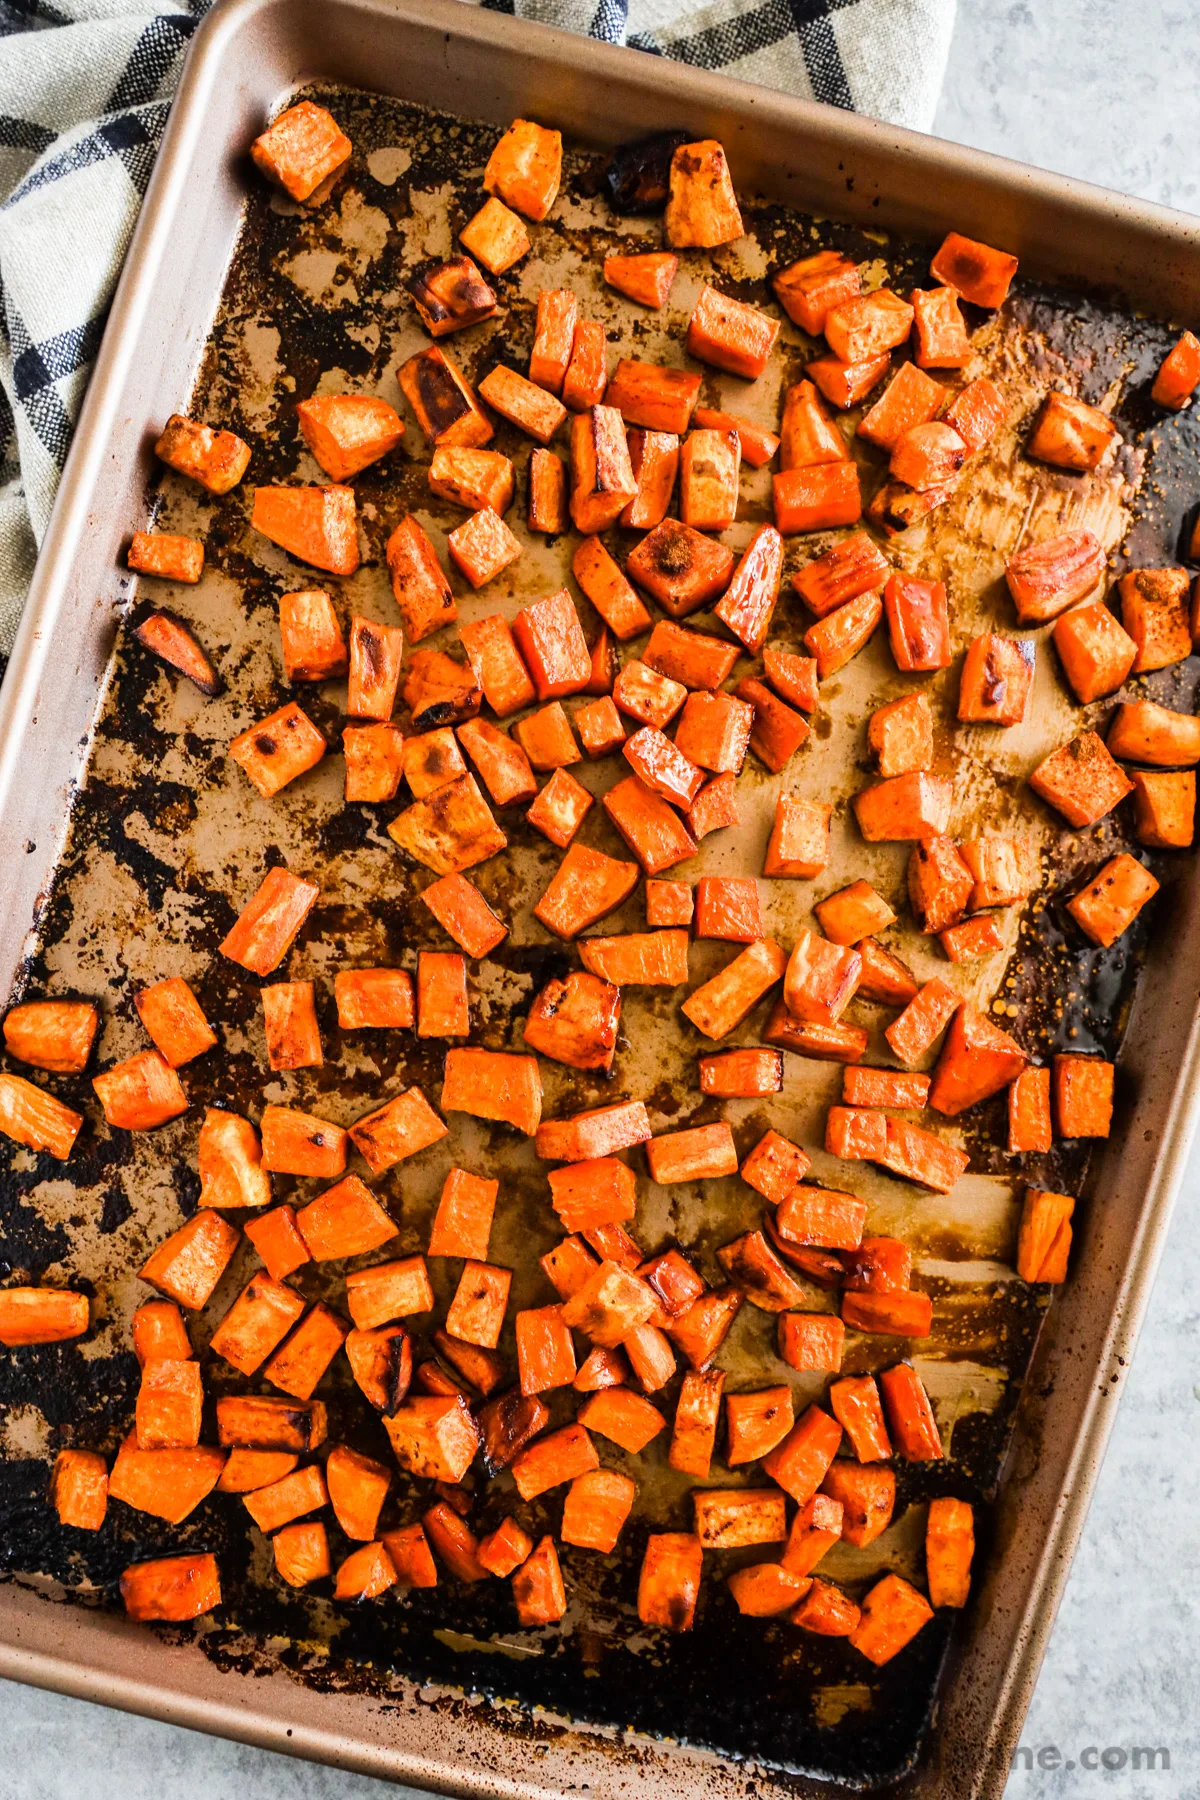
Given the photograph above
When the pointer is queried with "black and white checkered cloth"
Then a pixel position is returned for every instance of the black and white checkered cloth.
(85, 88)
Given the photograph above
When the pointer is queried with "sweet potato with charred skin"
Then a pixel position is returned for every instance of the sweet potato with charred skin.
(446, 408)
(381, 1362)
(172, 641)
(754, 1268)
(450, 295)
(507, 1424)
(981, 275)
(848, 569)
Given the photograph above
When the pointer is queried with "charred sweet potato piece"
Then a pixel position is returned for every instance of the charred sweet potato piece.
(381, 1362)
(730, 335)
(816, 498)
(495, 237)
(399, 1129)
(173, 1588)
(981, 275)
(454, 1541)
(825, 1043)
(433, 1436)
(731, 1518)
(451, 830)
(450, 295)
(1113, 898)
(997, 676)
(919, 1156)
(1044, 1239)
(1081, 780)
(680, 567)
(575, 1021)
(445, 405)
(910, 398)
(1069, 434)
(507, 1424)
(348, 432)
(896, 507)
(977, 1060)
(840, 635)
(300, 151)
(557, 317)
(754, 1268)
(492, 1084)
(278, 749)
(278, 1503)
(260, 1422)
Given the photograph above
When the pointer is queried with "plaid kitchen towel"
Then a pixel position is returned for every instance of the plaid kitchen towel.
(85, 88)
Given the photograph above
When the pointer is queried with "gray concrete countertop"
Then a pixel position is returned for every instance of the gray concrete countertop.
(1104, 90)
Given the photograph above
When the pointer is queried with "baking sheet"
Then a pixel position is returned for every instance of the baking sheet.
(167, 842)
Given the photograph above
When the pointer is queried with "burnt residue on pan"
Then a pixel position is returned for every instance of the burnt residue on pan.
(167, 842)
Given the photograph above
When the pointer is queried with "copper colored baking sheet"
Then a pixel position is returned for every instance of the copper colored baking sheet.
(167, 840)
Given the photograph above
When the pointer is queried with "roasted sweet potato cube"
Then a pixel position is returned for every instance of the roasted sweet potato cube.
(575, 1021)
(1155, 613)
(638, 959)
(167, 1484)
(918, 622)
(910, 398)
(775, 1167)
(1146, 732)
(387, 1291)
(610, 1305)
(1112, 900)
(807, 289)
(702, 208)
(1044, 1239)
(293, 1495)
(316, 525)
(865, 325)
(680, 568)
(1165, 808)
(816, 498)
(373, 999)
(530, 408)
(892, 1614)
(553, 1460)
(709, 462)
(600, 1368)
(79, 1489)
(314, 648)
(856, 1405)
(445, 405)
(917, 1155)
(278, 749)
(845, 384)
(169, 557)
(215, 459)
(1096, 652)
(492, 1084)
(914, 1430)
(381, 1362)
(348, 432)
(545, 1352)
(256, 1324)
(807, 435)
(659, 400)
(715, 808)
(644, 694)
(757, 446)
(587, 371)
(997, 676)
(290, 1025)
(551, 642)
(820, 979)
(270, 922)
(608, 590)
(300, 1362)
(700, 1154)
(557, 317)
(822, 1216)
(730, 334)
(433, 1436)
(697, 1411)
(476, 479)
(814, 1530)
(374, 761)
(501, 764)
(365, 1574)
(38, 1315)
(601, 1191)
(538, 1592)
(755, 1423)
(855, 1134)
(586, 886)
(653, 829)
(525, 168)
(799, 843)
(1029, 1126)
(394, 1131)
(301, 1553)
(729, 907)
(840, 635)
(547, 509)
(715, 730)
(476, 1313)
(166, 636)
(58, 1034)
(346, 1220)
(977, 413)
(599, 1133)
(1050, 576)
(602, 478)
(903, 809)
(463, 1222)
(654, 459)
(718, 1005)
(599, 726)
(731, 1518)
(853, 913)
(1178, 374)
(624, 1417)
(560, 809)
(1070, 434)
(848, 569)
(646, 278)
(188, 1265)
(867, 1497)
(982, 275)
(464, 915)
(825, 1043)
(741, 1074)
(1081, 780)
(259, 1422)
(495, 237)
(158, 1330)
(481, 547)
(410, 1556)
(1083, 1096)
(800, 1461)
(300, 151)
(450, 830)
(941, 340)
(794, 678)
(597, 1505)
(949, 1548)
(504, 1549)
(777, 731)
(977, 1060)
(173, 1588)
(506, 1424)
(755, 1269)
(896, 507)
(940, 883)
(922, 1022)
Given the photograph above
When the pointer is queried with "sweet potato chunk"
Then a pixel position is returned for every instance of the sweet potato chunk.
(316, 525)
(598, 1133)
(855, 1134)
(1081, 780)
(845, 384)
(867, 1497)
(708, 479)
(276, 1237)
(557, 317)
(996, 679)
(811, 1341)
(981, 275)
(298, 1365)
(167, 1484)
(702, 209)
(1083, 1096)
(434, 1437)
(1112, 900)
(977, 1060)
(525, 168)
(728, 907)
(652, 828)
(680, 568)
(848, 569)
(586, 886)
(794, 678)
(715, 730)
(1178, 374)
(820, 979)
(821, 1216)
(597, 1505)
(910, 1417)
(348, 432)
(445, 405)
(215, 459)
(798, 847)
(79, 1489)
(816, 498)
(646, 278)
(300, 151)
(910, 398)
(575, 1021)
(167, 556)
(495, 237)
(188, 1265)
(654, 459)
(719, 1005)
(807, 435)
(730, 335)
(644, 694)
(638, 959)
(507, 1424)
(1165, 808)
(553, 1460)
(1048, 577)
(450, 295)
(464, 915)
(919, 1156)
(174, 1588)
(892, 1614)
(1146, 732)
(502, 765)
(39, 1315)
(58, 1034)
(259, 1422)
(1070, 434)
(731, 1518)
(547, 508)
(492, 1084)
(1096, 653)
(856, 1405)
(741, 1074)
(1156, 615)
(939, 330)
(949, 1548)
(602, 478)
(399, 1129)
(808, 289)
(611, 1304)
(270, 922)
(279, 1502)
(657, 399)
(749, 601)
(451, 830)
(800, 1461)
(608, 590)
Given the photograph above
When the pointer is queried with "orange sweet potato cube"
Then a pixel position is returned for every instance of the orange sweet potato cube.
(256, 1324)
(914, 1430)
(597, 1505)
(1083, 1095)
(493, 1084)
(857, 1407)
(811, 1341)
(163, 554)
(557, 317)
(845, 384)
(702, 209)
(172, 1588)
(1113, 898)
(892, 1614)
(396, 1130)
(820, 979)
(1165, 808)
(732, 1518)
(1044, 1239)
(190, 1263)
(949, 1548)
(816, 498)
(905, 808)
(654, 459)
(800, 1461)
(1096, 652)
(276, 1237)
(602, 479)
(302, 149)
(525, 168)
(434, 1437)
(1155, 613)
(215, 459)
(79, 1489)
(709, 462)
(278, 749)
(464, 915)
(910, 398)
(495, 237)
(1049, 576)
(798, 847)
(1081, 780)
(856, 1134)
(919, 1156)
(646, 278)
(553, 1460)
(547, 506)
(838, 637)
(346, 1220)
(348, 432)
(655, 398)
(450, 295)
(808, 289)
(730, 334)
(680, 567)
(865, 325)
(1069, 434)
(445, 405)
